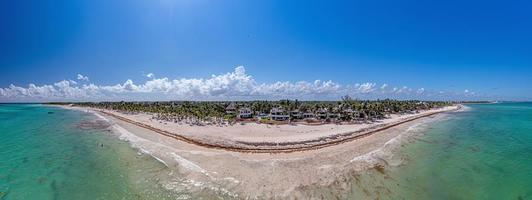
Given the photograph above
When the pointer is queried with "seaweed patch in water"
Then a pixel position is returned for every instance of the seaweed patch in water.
(380, 168)
(2, 194)
(474, 148)
(93, 124)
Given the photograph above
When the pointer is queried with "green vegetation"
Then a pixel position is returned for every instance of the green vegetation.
(347, 109)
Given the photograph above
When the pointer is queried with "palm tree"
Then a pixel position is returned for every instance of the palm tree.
(214, 111)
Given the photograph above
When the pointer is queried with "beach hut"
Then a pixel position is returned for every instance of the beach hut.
(231, 108)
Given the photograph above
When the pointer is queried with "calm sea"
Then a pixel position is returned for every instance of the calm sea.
(52, 153)
(484, 153)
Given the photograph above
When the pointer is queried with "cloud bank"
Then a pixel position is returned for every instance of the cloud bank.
(235, 85)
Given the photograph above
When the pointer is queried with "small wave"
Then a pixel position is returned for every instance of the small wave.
(464, 108)
(99, 116)
(156, 158)
(188, 164)
(165, 155)
(135, 142)
(388, 153)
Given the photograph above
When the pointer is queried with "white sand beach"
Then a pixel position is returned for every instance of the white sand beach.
(255, 137)
(268, 175)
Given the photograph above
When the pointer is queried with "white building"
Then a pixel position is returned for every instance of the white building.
(245, 113)
(322, 113)
(278, 114)
(295, 114)
(308, 115)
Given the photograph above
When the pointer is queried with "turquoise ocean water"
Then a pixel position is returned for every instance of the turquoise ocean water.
(52, 153)
(65, 155)
(484, 153)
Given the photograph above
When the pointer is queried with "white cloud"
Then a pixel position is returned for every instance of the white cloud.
(404, 89)
(366, 87)
(301, 88)
(468, 92)
(235, 85)
(83, 78)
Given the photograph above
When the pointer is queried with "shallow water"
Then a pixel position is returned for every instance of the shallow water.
(484, 153)
(52, 153)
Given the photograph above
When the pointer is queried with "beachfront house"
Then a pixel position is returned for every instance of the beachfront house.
(245, 113)
(387, 112)
(321, 113)
(278, 114)
(333, 115)
(348, 114)
(308, 115)
(372, 115)
(358, 116)
(295, 114)
(348, 111)
(261, 116)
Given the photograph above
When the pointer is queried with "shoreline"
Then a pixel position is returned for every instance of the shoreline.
(236, 175)
(276, 147)
(269, 175)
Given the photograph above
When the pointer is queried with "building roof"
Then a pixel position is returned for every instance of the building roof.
(231, 106)
(276, 110)
(349, 110)
(320, 110)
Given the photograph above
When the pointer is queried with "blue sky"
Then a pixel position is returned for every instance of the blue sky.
(458, 49)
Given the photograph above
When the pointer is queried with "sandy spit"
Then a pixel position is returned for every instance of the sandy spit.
(238, 175)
